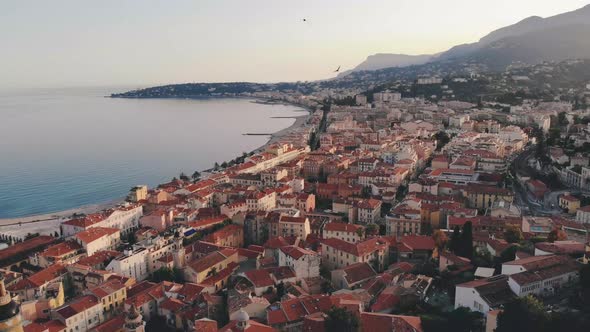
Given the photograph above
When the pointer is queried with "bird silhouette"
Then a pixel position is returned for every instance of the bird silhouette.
(304, 20)
(337, 70)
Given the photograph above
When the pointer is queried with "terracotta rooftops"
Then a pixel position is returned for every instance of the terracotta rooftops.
(93, 234)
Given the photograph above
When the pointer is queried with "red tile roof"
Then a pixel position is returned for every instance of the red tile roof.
(260, 278)
(376, 322)
(95, 233)
(79, 305)
(417, 242)
(358, 272)
(342, 227)
(297, 252)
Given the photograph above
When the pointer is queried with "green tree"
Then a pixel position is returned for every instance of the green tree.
(508, 254)
(442, 138)
(342, 320)
(280, 289)
(513, 234)
(523, 314)
(455, 240)
(183, 177)
(466, 241)
(372, 229)
(196, 175)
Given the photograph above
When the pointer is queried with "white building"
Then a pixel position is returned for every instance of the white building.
(483, 295)
(539, 275)
(305, 263)
(98, 238)
(124, 217)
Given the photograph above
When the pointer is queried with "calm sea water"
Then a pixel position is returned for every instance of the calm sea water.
(61, 149)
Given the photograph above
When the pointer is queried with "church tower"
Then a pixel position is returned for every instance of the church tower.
(134, 321)
(10, 318)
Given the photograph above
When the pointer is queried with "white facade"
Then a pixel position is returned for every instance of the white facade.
(132, 264)
(468, 297)
(306, 266)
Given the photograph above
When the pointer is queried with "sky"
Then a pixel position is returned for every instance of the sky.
(65, 43)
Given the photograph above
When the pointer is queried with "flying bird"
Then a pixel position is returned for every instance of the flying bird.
(337, 70)
(304, 20)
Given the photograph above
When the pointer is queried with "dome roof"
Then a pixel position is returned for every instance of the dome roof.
(8, 310)
(242, 316)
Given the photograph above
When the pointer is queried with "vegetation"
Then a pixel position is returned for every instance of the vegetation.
(462, 242)
(459, 320)
(341, 320)
(556, 235)
(167, 274)
(513, 234)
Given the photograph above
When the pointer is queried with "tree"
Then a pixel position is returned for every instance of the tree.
(216, 166)
(523, 314)
(556, 235)
(131, 239)
(455, 240)
(513, 234)
(442, 138)
(342, 320)
(224, 164)
(466, 241)
(56, 234)
(196, 175)
(280, 289)
(440, 239)
(372, 229)
(508, 254)
(183, 177)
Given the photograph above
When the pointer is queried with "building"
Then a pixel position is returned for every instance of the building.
(124, 218)
(583, 215)
(337, 253)
(138, 193)
(131, 264)
(305, 263)
(483, 197)
(111, 295)
(483, 295)
(352, 276)
(343, 231)
(569, 203)
(228, 236)
(379, 322)
(540, 275)
(369, 211)
(215, 263)
(98, 238)
(294, 226)
(82, 314)
(159, 219)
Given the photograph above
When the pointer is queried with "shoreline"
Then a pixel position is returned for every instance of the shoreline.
(93, 208)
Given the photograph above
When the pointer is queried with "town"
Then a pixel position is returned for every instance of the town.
(387, 209)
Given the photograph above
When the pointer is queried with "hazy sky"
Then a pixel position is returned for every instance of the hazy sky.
(144, 42)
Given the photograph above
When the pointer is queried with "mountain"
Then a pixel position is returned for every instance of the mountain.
(531, 40)
(385, 60)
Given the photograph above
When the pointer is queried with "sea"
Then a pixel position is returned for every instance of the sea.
(66, 148)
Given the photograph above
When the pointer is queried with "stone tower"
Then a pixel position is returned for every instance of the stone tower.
(10, 319)
(134, 321)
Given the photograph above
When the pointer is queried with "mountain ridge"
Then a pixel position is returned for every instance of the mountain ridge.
(513, 35)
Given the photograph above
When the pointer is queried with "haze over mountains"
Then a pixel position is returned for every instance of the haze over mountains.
(530, 41)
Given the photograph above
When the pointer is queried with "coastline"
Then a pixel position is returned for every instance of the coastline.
(25, 224)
